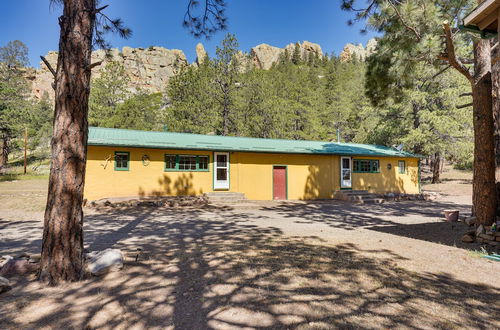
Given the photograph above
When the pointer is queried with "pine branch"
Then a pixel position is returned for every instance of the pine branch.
(406, 25)
(93, 65)
(451, 57)
(49, 66)
(464, 106)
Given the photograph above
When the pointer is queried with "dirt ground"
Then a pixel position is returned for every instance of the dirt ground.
(273, 265)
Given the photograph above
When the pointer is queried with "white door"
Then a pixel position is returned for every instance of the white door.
(345, 172)
(221, 170)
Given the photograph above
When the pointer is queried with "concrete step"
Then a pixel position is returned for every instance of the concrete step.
(358, 196)
(224, 197)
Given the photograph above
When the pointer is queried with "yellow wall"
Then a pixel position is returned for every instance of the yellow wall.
(309, 176)
(101, 179)
(388, 180)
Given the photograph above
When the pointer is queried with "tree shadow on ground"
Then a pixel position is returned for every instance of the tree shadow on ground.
(19, 236)
(391, 218)
(214, 270)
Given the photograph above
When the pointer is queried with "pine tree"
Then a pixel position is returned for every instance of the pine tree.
(13, 94)
(82, 24)
(107, 91)
(297, 54)
(415, 30)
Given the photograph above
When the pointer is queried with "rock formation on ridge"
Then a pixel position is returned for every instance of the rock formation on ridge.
(151, 68)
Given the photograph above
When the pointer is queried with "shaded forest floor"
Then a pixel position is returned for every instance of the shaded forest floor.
(303, 265)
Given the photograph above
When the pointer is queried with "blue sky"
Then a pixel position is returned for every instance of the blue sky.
(158, 23)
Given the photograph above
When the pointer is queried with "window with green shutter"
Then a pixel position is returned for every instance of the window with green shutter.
(186, 163)
(122, 159)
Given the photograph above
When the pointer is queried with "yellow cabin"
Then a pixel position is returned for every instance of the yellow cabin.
(130, 163)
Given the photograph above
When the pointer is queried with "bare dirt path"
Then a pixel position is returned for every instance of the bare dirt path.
(317, 265)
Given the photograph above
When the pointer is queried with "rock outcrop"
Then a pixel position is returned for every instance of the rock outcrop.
(264, 56)
(151, 68)
(200, 54)
(351, 51)
(148, 68)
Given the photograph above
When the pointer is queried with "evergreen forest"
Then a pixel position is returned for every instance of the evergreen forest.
(313, 98)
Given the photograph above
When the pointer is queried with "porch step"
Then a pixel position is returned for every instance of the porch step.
(223, 197)
(358, 196)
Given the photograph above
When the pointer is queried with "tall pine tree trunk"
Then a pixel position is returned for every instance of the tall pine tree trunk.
(62, 246)
(484, 190)
(436, 168)
(495, 77)
(4, 152)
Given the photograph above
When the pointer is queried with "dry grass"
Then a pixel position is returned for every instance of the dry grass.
(453, 182)
(21, 199)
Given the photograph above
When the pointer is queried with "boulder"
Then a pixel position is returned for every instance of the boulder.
(105, 261)
(18, 267)
(4, 284)
(468, 238)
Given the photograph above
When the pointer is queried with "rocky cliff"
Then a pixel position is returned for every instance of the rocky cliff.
(350, 51)
(148, 68)
(151, 68)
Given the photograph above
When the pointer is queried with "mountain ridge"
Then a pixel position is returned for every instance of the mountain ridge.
(151, 68)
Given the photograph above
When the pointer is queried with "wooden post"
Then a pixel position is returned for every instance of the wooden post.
(25, 148)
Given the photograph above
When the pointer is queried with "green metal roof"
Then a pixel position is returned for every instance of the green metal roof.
(99, 136)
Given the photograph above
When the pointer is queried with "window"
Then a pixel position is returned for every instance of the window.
(121, 160)
(170, 163)
(203, 162)
(366, 166)
(402, 167)
(186, 163)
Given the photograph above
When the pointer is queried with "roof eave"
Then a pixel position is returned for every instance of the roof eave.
(471, 18)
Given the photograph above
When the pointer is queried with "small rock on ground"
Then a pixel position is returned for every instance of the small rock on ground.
(18, 267)
(467, 238)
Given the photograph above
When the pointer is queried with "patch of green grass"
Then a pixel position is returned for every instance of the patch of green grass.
(478, 253)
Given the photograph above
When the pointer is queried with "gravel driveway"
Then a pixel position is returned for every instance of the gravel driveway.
(318, 265)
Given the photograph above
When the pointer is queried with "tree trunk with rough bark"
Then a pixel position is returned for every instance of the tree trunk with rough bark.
(495, 78)
(436, 167)
(62, 246)
(484, 189)
(4, 152)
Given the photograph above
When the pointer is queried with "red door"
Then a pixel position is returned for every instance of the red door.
(279, 182)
